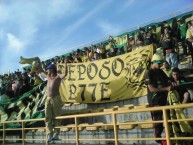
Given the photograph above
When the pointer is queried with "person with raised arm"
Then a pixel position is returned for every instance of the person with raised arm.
(53, 103)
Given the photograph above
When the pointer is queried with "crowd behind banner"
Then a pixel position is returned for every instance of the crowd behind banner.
(96, 81)
(168, 37)
(107, 72)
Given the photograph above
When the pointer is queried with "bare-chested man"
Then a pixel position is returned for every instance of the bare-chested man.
(53, 103)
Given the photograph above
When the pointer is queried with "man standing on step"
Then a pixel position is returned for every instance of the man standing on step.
(53, 103)
(158, 87)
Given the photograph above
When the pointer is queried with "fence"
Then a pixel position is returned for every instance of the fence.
(114, 124)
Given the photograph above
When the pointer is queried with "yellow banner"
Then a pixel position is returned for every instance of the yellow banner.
(107, 80)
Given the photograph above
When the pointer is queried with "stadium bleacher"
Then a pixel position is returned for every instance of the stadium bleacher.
(30, 105)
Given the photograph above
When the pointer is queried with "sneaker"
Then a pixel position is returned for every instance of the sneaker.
(55, 136)
(50, 136)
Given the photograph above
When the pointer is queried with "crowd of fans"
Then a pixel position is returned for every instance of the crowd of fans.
(169, 40)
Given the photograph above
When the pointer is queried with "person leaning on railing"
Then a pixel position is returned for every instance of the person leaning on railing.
(53, 103)
(158, 86)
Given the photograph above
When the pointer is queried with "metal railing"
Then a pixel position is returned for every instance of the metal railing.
(114, 123)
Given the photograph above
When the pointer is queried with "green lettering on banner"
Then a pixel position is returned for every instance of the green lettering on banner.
(93, 92)
(114, 66)
(107, 80)
(71, 72)
(80, 72)
(72, 91)
(90, 70)
(103, 90)
(104, 67)
(82, 93)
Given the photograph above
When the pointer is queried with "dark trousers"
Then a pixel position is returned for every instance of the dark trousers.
(158, 127)
(183, 40)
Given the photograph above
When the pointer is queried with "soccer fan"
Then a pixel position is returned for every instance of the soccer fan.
(158, 86)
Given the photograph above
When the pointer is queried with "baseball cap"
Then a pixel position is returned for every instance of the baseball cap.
(51, 66)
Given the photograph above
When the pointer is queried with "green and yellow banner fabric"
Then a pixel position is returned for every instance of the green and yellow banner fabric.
(181, 128)
(107, 80)
(27, 106)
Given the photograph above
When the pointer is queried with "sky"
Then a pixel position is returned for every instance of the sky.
(48, 28)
